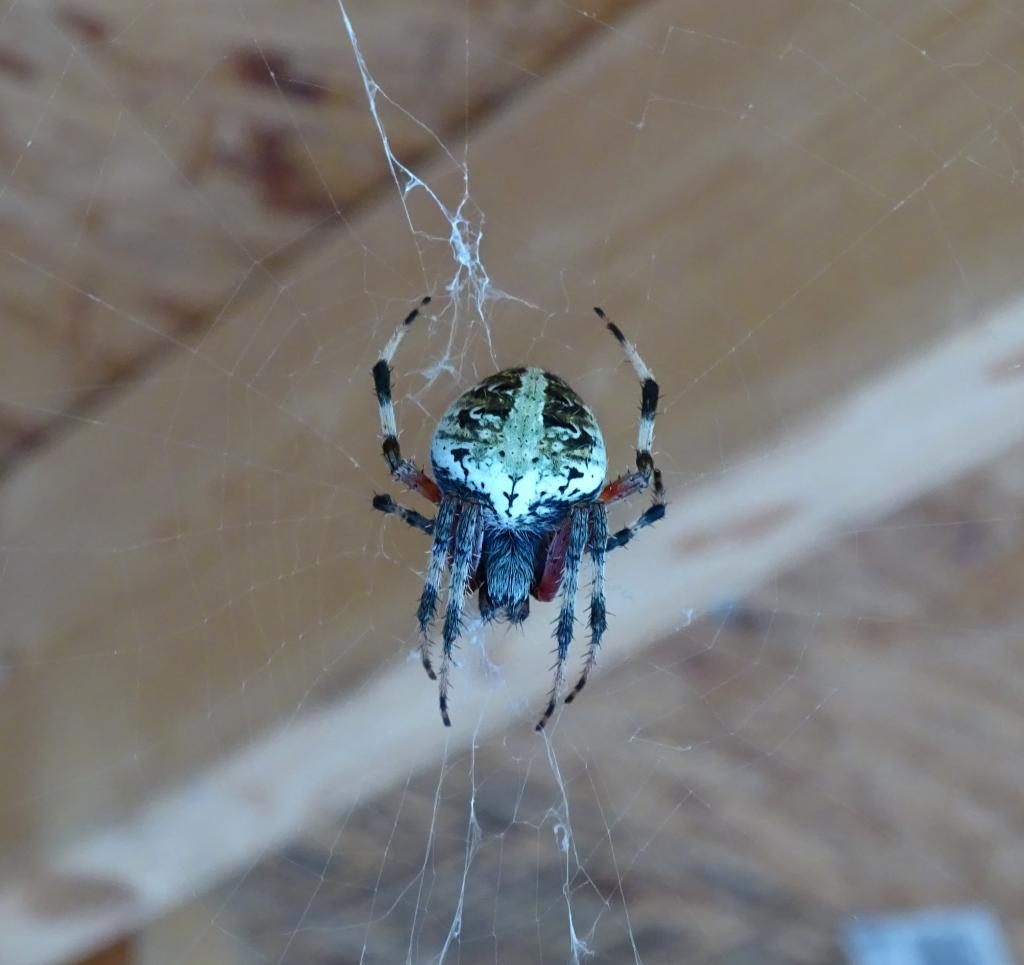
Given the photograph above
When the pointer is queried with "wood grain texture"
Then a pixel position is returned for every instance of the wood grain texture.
(346, 739)
(157, 163)
(841, 742)
(826, 286)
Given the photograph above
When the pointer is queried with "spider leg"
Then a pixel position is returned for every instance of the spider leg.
(386, 504)
(443, 524)
(566, 616)
(554, 563)
(632, 482)
(465, 543)
(404, 470)
(624, 486)
(648, 399)
(598, 616)
(651, 515)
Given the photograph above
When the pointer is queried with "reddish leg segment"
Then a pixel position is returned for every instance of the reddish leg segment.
(624, 486)
(554, 563)
(408, 473)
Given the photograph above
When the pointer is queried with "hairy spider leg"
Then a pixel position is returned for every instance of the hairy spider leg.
(567, 614)
(443, 525)
(598, 614)
(465, 544)
(650, 515)
(404, 470)
(386, 504)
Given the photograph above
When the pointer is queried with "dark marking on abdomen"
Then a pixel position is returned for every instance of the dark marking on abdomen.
(574, 473)
(467, 420)
(459, 455)
(584, 440)
(512, 495)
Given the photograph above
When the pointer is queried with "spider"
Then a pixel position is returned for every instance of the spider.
(520, 494)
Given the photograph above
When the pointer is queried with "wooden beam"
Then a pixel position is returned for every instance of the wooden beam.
(168, 160)
(208, 633)
(722, 541)
(795, 758)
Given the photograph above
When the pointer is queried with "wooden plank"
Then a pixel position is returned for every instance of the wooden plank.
(724, 540)
(738, 792)
(197, 563)
(165, 159)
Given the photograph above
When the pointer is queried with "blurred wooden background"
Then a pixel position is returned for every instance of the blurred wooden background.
(809, 215)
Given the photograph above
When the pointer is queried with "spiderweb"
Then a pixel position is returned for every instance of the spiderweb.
(780, 204)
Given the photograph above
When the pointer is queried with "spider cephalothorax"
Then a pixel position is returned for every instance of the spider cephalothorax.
(520, 465)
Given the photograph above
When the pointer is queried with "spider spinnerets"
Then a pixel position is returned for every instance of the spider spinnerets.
(519, 463)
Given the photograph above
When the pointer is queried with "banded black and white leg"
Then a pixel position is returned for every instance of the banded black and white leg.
(384, 503)
(404, 470)
(578, 536)
(462, 555)
(410, 475)
(620, 488)
(650, 515)
(439, 550)
(633, 482)
(598, 613)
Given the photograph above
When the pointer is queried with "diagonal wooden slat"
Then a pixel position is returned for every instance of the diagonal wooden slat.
(171, 157)
(726, 538)
(201, 615)
(743, 789)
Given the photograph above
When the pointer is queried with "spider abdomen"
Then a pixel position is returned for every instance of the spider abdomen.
(523, 443)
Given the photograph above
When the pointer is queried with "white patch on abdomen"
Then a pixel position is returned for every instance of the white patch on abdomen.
(515, 462)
